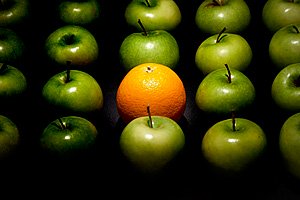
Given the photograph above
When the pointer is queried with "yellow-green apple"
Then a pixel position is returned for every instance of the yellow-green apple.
(9, 137)
(75, 91)
(150, 143)
(285, 88)
(232, 146)
(72, 43)
(155, 14)
(221, 48)
(14, 12)
(156, 46)
(279, 13)
(12, 46)
(213, 15)
(224, 91)
(284, 47)
(289, 144)
(68, 137)
(13, 82)
(79, 12)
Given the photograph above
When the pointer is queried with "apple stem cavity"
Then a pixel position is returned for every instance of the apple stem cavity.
(142, 26)
(229, 73)
(150, 118)
(220, 36)
(297, 30)
(3, 67)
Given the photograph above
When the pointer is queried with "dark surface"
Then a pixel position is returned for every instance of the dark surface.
(103, 172)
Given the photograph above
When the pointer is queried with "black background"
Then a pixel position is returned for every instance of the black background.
(103, 172)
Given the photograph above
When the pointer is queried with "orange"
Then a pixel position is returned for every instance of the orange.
(154, 85)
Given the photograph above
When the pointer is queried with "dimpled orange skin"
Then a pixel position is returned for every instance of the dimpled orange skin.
(154, 85)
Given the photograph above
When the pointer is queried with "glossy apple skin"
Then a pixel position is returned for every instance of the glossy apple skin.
(9, 137)
(211, 18)
(161, 15)
(215, 95)
(79, 12)
(82, 94)
(78, 136)
(232, 49)
(289, 144)
(14, 13)
(284, 47)
(232, 151)
(148, 149)
(11, 45)
(279, 13)
(12, 81)
(286, 88)
(157, 46)
(72, 43)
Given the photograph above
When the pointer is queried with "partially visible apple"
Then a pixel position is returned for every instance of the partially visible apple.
(289, 144)
(79, 12)
(68, 136)
(279, 13)
(157, 46)
(12, 46)
(224, 91)
(213, 15)
(232, 146)
(14, 12)
(150, 143)
(9, 137)
(73, 90)
(72, 43)
(221, 48)
(155, 14)
(13, 83)
(286, 88)
(284, 47)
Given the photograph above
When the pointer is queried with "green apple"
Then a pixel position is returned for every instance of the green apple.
(12, 46)
(224, 91)
(286, 88)
(289, 144)
(232, 146)
(9, 137)
(155, 14)
(218, 49)
(12, 81)
(151, 143)
(68, 136)
(14, 12)
(73, 90)
(279, 13)
(157, 46)
(72, 43)
(284, 47)
(213, 15)
(79, 12)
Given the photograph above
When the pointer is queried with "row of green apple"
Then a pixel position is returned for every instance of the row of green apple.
(129, 62)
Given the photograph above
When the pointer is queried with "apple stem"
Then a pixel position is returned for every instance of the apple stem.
(150, 118)
(148, 3)
(3, 67)
(233, 121)
(219, 2)
(142, 26)
(219, 38)
(62, 125)
(68, 71)
(229, 73)
(295, 27)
